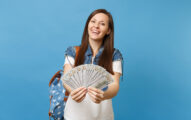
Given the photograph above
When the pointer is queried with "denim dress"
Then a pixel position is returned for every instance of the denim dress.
(71, 51)
(87, 109)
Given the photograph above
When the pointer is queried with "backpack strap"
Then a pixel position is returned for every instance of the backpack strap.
(56, 75)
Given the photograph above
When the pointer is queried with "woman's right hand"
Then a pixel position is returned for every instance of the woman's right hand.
(79, 94)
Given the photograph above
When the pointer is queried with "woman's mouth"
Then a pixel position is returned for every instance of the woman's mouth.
(95, 32)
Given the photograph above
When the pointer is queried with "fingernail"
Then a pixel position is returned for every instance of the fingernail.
(81, 87)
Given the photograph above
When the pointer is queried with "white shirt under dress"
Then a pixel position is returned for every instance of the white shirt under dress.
(87, 109)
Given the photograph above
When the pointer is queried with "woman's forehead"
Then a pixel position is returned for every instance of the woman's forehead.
(100, 17)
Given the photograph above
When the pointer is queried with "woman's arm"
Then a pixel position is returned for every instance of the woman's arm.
(113, 88)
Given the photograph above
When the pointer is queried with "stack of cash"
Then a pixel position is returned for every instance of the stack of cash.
(87, 75)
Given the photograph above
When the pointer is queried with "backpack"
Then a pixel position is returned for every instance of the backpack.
(58, 95)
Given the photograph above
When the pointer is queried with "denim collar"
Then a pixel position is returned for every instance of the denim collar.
(89, 51)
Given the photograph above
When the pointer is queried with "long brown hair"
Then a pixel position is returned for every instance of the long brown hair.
(105, 59)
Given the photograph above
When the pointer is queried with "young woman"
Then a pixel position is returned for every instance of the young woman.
(97, 47)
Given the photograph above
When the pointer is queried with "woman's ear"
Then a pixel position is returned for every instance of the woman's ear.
(108, 32)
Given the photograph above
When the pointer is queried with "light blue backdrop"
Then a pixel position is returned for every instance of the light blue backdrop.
(154, 37)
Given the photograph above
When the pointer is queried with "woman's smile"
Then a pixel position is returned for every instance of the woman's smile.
(98, 27)
(94, 31)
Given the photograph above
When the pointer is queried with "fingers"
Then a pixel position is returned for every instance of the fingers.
(79, 94)
(80, 97)
(95, 90)
(96, 95)
(80, 100)
(74, 92)
(94, 99)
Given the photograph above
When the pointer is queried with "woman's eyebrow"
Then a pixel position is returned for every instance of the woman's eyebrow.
(93, 19)
(99, 21)
(96, 20)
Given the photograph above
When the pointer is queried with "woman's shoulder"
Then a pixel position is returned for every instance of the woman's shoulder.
(71, 51)
(117, 55)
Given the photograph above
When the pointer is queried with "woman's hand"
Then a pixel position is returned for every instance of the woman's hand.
(95, 94)
(79, 94)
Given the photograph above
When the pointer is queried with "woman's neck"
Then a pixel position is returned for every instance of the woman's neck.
(95, 45)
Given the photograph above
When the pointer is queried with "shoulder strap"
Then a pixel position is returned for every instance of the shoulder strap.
(56, 75)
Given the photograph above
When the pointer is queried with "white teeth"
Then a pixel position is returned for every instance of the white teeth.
(95, 32)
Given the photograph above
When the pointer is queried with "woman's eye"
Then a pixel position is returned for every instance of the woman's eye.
(93, 21)
(103, 24)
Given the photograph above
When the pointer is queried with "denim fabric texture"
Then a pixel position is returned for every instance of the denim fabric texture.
(88, 55)
(71, 51)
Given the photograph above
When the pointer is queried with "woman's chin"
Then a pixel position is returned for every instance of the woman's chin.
(96, 39)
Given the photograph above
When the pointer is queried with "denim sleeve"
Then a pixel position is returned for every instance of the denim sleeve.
(117, 55)
(70, 51)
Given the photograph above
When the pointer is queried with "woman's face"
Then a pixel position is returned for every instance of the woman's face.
(98, 26)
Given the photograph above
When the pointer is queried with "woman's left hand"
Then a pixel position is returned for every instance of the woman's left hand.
(95, 94)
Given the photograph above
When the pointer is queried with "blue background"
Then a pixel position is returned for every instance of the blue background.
(154, 37)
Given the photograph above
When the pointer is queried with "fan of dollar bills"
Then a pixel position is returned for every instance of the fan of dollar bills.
(87, 75)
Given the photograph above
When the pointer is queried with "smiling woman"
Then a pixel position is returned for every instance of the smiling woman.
(98, 27)
(96, 48)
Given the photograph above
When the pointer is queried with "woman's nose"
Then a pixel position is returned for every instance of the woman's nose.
(96, 25)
